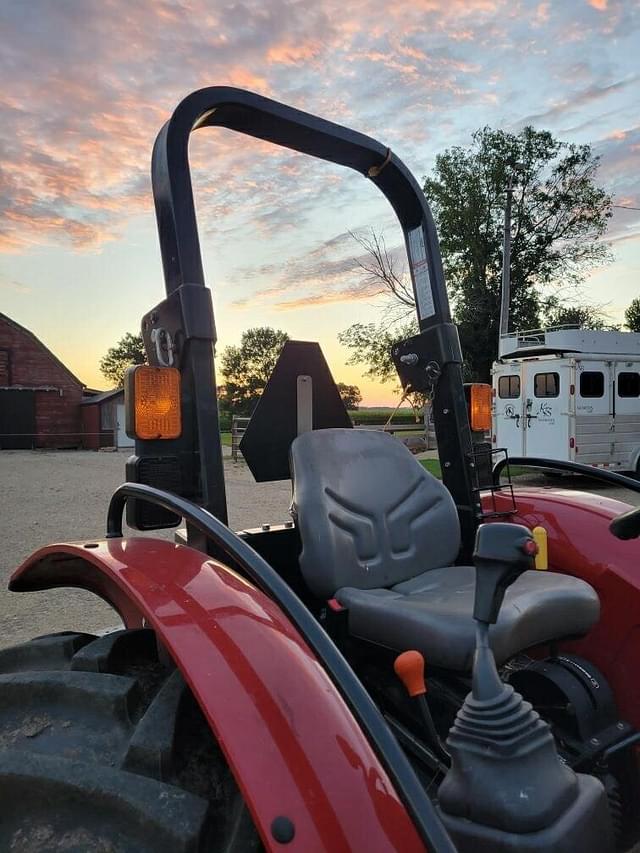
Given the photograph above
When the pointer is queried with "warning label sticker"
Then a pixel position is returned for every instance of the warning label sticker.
(420, 267)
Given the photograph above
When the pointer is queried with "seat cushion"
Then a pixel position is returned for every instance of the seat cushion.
(433, 613)
(368, 513)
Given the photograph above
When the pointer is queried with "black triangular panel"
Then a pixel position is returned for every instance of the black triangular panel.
(274, 423)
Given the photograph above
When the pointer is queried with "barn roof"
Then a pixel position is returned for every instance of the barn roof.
(10, 322)
(101, 398)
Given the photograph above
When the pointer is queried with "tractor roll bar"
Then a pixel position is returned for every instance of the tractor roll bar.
(438, 344)
(282, 125)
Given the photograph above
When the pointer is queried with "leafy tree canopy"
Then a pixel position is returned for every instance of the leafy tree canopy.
(128, 351)
(632, 316)
(583, 315)
(247, 367)
(559, 215)
(370, 345)
(350, 395)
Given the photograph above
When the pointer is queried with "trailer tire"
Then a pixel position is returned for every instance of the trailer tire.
(103, 748)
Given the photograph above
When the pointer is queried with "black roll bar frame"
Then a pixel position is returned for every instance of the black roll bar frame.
(262, 118)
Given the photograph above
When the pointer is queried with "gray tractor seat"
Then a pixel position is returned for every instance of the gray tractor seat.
(381, 535)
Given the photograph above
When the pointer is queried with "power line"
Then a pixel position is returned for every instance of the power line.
(625, 207)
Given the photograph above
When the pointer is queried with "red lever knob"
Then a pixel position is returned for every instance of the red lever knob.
(409, 667)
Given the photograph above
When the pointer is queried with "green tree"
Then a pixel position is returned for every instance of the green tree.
(559, 215)
(350, 396)
(632, 315)
(554, 313)
(128, 351)
(371, 344)
(246, 368)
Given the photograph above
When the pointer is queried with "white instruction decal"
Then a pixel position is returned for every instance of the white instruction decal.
(420, 267)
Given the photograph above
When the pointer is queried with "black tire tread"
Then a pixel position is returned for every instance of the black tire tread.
(103, 748)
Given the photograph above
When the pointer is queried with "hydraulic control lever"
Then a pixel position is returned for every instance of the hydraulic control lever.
(502, 553)
(507, 789)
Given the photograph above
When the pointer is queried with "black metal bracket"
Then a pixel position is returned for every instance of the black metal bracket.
(186, 314)
(483, 456)
(421, 359)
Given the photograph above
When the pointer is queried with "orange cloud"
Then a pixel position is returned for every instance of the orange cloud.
(315, 299)
(290, 53)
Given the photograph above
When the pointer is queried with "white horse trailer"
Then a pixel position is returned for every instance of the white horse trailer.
(571, 395)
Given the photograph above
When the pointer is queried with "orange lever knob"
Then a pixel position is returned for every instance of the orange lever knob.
(409, 667)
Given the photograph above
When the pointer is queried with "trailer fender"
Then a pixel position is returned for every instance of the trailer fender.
(292, 743)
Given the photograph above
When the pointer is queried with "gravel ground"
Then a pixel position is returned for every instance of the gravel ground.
(63, 496)
(59, 496)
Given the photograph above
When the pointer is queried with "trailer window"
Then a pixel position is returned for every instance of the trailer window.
(592, 383)
(509, 387)
(546, 384)
(629, 384)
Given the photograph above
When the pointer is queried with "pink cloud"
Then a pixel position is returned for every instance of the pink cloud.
(87, 86)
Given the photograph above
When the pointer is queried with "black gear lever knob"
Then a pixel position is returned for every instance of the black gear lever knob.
(502, 553)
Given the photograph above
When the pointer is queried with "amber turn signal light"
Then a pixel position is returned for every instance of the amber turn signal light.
(152, 401)
(479, 400)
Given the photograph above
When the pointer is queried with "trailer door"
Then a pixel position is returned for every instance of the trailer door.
(594, 412)
(627, 415)
(508, 409)
(546, 409)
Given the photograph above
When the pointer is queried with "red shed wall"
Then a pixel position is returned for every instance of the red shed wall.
(91, 427)
(31, 365)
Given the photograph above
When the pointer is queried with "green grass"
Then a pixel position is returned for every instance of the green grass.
(432, 466)
(381, 416)
(226, 438)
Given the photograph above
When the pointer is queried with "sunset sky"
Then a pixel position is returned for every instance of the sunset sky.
(87, 84)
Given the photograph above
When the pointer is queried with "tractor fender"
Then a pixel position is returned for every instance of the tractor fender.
(292, 743)
(580, 544)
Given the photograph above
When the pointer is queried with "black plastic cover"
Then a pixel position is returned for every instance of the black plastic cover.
(274, 424)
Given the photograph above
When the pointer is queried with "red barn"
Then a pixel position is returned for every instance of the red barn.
(39, 396)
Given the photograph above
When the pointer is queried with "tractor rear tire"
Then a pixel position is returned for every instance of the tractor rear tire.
(104, 749)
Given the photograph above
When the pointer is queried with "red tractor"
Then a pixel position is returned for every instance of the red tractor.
(268, 688)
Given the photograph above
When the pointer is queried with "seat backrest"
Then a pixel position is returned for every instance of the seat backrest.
(369, 514)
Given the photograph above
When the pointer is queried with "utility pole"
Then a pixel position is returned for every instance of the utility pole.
(506, 261)
(506, 256)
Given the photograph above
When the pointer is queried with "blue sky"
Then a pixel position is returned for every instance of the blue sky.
(87, 85)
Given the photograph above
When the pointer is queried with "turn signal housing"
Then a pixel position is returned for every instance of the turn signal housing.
(152, 402)
(479, 406)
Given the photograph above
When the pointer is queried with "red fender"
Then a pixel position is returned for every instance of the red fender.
(580, 544)
(292, 743)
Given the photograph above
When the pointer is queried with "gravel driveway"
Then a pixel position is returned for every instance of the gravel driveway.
(59, 496)
(63, 496)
